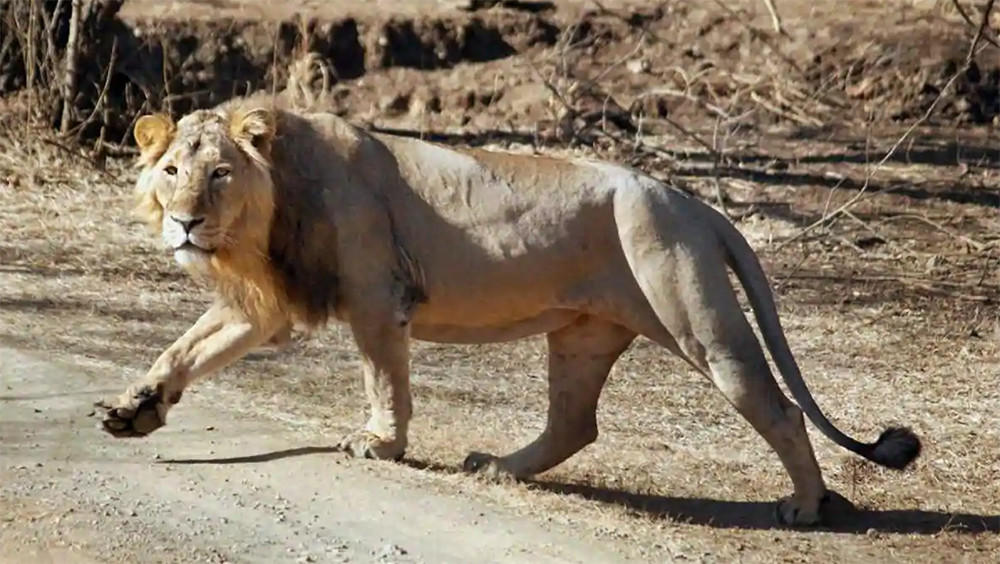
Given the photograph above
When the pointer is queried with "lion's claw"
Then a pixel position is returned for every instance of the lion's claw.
(142, 414)
(477, 461)
(369, 445)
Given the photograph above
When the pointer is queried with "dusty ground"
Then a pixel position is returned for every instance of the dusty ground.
(255, 494)
(891, 310)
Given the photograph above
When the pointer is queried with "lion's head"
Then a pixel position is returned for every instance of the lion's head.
(233, 191)
(205, 184)
(206, 188)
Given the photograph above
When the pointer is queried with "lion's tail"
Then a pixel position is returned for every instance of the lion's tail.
(895, 448)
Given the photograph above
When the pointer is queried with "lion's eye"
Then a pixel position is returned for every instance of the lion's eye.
(220, 172)
(170, 170)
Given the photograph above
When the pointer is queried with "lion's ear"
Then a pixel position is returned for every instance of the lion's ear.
(152, 131)
(256, 126)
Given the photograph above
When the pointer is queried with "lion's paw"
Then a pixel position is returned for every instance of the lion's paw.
(135, 414)
(366, 444)
(487, 466)
(790, 513)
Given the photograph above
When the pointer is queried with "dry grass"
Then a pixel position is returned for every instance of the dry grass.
(892, 313)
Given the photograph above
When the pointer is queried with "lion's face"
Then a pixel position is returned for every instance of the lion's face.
(206, 183)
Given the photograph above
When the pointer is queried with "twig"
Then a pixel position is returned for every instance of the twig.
(979, 247)
(720, 197)
(568, 99)
(764, 38)
(31, 62)
(863, 192)
(718, 111)
(696, 138)
(50, 33)
(69, 78)
(118, 150)
(623, 58)
(979, 32)
(784, 114)
(986, 268)
(775, 18)
(878, 166)
(99, 104)
(780, 284)
(77, 155)
(927, 284)
(982, 26)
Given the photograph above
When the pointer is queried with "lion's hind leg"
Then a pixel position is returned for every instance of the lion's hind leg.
(580, 357)
(687, 287)
(738, 368)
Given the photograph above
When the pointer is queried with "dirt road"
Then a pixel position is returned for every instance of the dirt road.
(220, 485)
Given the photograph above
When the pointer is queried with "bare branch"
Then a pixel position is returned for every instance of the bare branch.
(103, 96)
(983, 25)
(70, 73)
(863, 192)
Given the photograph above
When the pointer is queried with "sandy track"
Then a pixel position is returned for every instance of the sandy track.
(220, 486)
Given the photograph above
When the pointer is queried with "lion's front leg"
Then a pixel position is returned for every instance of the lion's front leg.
(384, 347)
(221, 336)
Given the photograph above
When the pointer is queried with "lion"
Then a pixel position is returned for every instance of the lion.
(299, 219)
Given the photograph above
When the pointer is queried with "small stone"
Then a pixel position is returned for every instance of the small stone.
(391, 550)
(637, 66)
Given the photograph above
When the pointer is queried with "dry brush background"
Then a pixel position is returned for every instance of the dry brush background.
(854, 142)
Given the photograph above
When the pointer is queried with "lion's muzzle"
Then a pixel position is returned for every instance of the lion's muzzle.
(187, 223)
(186, 235)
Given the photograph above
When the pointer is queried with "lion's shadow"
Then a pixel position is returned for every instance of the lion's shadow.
(714, 513)
(759, 515)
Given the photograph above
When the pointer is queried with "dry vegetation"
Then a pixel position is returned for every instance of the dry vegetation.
(857, 149)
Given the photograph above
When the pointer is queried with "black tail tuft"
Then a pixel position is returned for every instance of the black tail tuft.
(895, 448)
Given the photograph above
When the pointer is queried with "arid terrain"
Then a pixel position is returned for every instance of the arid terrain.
(859, 152)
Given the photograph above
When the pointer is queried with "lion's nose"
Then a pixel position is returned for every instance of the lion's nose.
(188, 223)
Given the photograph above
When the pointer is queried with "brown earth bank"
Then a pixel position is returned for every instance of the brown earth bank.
(878, 229)
(839, 60)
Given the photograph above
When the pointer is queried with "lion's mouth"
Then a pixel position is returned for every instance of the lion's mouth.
(191, 255)
(190, 247)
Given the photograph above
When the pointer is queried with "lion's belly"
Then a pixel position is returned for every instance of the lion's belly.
(545, 322)
(476, 301)
(508, 313)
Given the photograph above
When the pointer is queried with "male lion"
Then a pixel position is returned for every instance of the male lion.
(300, 217)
